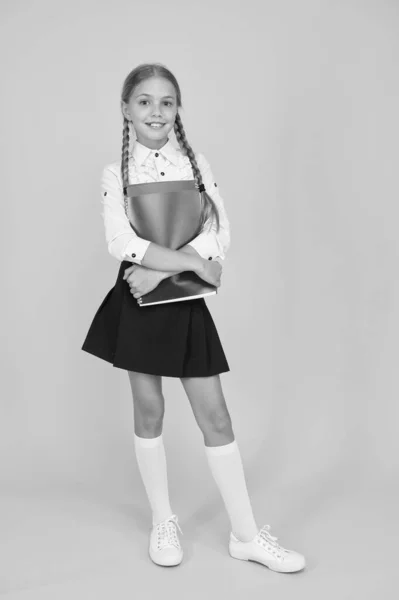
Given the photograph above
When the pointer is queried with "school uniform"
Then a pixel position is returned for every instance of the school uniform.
(177, 339)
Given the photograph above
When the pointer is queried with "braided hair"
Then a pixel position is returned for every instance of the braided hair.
(141, 73)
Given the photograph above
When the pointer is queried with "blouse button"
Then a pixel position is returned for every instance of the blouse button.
(210, 258)
(133, 255)
(105, 193)
(156, 154)
(162, 173)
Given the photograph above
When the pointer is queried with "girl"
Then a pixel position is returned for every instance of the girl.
(177, 339)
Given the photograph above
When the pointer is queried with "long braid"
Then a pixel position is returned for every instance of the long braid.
(125, 160)
(209, 208)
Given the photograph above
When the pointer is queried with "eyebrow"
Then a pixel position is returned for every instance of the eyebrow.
(149, 96)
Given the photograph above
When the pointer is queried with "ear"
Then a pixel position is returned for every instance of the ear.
(125, 111)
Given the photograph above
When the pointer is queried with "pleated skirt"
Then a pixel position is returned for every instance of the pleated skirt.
(177, 339)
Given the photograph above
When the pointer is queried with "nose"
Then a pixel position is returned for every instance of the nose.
(156, 111)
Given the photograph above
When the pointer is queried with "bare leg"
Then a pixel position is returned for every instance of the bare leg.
(209, 407)
(210, 411)
(149, 407)
(148, 404)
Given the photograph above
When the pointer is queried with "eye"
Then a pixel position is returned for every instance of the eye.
(143, 101)
(168, 103)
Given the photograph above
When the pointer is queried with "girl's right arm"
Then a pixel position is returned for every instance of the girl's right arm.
(186, 259)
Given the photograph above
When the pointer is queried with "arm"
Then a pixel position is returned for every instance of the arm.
(187, 250)
(172, 261)
(143, 280)
(122, 241)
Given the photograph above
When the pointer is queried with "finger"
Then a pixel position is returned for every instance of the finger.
(137, 294)
(128, 271)
(130, 275)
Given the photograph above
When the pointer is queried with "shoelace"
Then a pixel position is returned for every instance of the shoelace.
(166, 533)
(270, 541)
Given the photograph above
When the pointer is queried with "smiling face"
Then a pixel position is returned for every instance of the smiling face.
(152, 108)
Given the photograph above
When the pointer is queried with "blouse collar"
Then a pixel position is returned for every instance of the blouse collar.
(140, 153)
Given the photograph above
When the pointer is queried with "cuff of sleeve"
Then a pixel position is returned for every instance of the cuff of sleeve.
(207, 246)
(135, 250)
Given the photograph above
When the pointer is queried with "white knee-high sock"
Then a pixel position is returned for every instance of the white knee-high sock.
(151, 459)
(227, 469)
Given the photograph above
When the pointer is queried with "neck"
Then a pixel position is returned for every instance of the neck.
(153, 144)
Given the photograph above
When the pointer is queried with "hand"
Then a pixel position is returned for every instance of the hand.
(142, 280)
(211, 272)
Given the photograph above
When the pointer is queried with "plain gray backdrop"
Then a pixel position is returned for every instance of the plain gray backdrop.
(295, 106)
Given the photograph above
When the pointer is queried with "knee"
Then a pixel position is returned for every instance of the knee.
(148, 425)
(148, 418)
(217, 422)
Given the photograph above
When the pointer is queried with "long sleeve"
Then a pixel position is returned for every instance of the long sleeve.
(123, 243)
(210, 243)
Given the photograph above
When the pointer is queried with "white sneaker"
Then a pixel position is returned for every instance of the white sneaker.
(265, 550)
(164, 548)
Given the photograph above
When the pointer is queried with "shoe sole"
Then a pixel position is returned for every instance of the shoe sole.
(162, 565)
(174, 564)
(277, 569)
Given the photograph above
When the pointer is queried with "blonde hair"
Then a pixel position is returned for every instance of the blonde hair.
(141, 73)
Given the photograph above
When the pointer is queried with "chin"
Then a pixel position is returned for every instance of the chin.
(155, 135)
(148, 132)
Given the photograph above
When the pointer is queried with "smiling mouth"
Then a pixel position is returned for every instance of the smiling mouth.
(155, 125)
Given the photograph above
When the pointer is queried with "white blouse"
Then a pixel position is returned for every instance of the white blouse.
(145, 166)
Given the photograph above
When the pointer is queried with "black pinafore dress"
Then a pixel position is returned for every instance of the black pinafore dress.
(175, 339)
